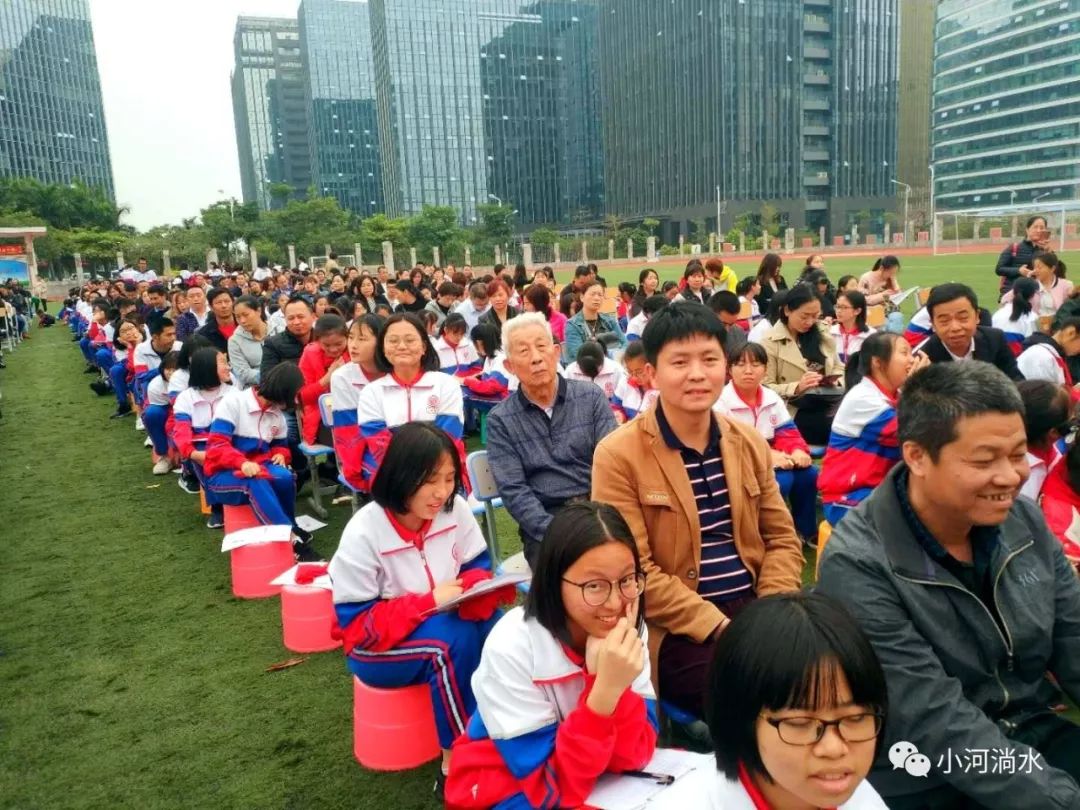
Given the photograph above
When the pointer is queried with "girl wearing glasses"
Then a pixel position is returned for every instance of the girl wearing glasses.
(850, 329)
(563, 693)
(796, 722)
(413, 390)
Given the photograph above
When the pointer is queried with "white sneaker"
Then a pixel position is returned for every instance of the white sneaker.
(162, 467)
(138, 423)
(148, 443)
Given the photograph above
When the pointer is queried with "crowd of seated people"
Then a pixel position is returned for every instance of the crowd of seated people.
(657, 453)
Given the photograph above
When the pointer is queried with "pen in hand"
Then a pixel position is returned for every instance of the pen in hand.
(659, 778)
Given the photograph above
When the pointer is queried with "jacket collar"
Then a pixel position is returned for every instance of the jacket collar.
(906, 556)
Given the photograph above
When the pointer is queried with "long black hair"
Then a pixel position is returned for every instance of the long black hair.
(1024, 289)
(809, 342)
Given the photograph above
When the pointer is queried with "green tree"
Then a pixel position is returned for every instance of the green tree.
(280, 192)
(435, 226)
(309, 224)
(60, 206)
(379, 228)
(544, 236)
(613, 226)
(496, 224)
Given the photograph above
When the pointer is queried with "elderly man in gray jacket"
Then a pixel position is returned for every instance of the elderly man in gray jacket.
(969, 603)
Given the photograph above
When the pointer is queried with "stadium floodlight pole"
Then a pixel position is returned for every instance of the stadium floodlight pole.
(933, 210)
(907, 197)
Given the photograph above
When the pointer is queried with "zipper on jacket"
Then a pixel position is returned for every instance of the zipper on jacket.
(427, 570)
(1006, 637)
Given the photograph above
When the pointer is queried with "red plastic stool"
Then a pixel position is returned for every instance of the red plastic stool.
(307, 615)
(255, 565)
(393, 729)
(240, 517)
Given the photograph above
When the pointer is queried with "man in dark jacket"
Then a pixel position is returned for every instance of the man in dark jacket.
(1015, 260)
(969, 603)
(954, 317)
(289, 345)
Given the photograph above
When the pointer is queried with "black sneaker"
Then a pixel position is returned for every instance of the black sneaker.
(188, 483)
(440, 786)
(122, 412)
(101, 388)
(90, 370)
(305, 552)
(216, 519)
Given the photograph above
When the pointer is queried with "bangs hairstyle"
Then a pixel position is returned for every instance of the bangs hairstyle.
(329, 324)
(282, 384)
(203, 368)
(754, 352)
(879, 346)
(858, 303)
(412, 457)
(373, 323)
(574, 531)
(654, 303)
(755, 669)
(937, 397)
(454, 322)
(680, 321)
(430, 360)
(486, 335)
(170, 361)
(252, 303)
(192, 343)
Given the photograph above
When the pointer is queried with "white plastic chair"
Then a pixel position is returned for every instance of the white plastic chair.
(485, 498)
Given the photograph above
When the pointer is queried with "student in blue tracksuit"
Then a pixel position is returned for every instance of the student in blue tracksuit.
(413, 548)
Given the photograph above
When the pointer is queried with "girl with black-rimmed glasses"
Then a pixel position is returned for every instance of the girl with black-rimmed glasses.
(563, 693)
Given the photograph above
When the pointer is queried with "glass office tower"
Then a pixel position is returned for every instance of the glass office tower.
(52, 121)
(1006, 126)
(269, 110)
(481, 100)
(335, 42)
(790, 102)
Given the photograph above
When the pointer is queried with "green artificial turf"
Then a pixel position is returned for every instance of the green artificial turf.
(129, 675)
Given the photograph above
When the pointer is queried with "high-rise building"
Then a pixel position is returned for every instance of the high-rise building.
(485, 100)
(335, 44)
(1006, 126)
(52, 121)
(732, 104)
(916, 82)
(269, 110)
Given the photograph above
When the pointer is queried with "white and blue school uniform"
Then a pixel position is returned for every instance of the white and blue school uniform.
(345, 386)
(388, 402)
(847, 343)
(383, 576)
(608, 379)
(629, 398)
(461, 360)
(146, 362)
(1016, 332)
(770, 417)
(178, 382)
(635, 326)
(242, 431)
(193, 414)
(156, 413)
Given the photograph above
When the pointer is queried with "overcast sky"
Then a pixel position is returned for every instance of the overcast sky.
(165, 70)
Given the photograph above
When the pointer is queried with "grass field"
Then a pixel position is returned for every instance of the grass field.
(130, 675)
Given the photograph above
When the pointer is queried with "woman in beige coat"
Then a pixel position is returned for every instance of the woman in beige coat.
(803, 367)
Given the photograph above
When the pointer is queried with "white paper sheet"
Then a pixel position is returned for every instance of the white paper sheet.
(309, 524)
(289, 578)
(481, 588)
(621, 792)
(257, 534)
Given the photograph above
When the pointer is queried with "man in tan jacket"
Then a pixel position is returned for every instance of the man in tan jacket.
(699, 493)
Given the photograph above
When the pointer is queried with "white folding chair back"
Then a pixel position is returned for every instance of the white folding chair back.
(326, 410)
(487, 494)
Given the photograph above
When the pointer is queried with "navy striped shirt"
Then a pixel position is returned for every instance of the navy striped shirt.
(723, 577)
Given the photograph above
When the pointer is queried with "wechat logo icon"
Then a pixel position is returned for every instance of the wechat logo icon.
(906, 756)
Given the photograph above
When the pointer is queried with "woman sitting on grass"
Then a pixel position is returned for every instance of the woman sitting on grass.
(402, 557)
(563, 693)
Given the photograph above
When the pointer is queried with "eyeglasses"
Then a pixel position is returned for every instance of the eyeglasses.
(596, 592)
(408, 342)
(809, 730)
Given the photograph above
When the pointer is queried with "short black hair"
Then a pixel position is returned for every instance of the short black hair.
(330, 324)
(756, 668)
(937, 397)
(634, 351)
(159, 324)
(755, 351)
(950, 291)
(680, 321)
(412, 457)
(581, 271)
(203, 369)
(192, 343)
(654, 303)
(488, 335)
(299, 299)
(1046, 408)
(590, 358)
(170, 362)
(281, 384)
(217, 292)
(725, 301)
(575, 530)
(157, 288)
(430, 360)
